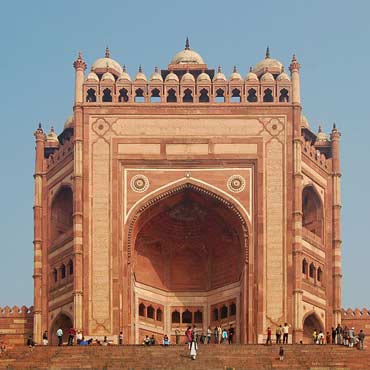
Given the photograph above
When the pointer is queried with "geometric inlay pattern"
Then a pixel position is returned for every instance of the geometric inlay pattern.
(139, 183)
(236, 183)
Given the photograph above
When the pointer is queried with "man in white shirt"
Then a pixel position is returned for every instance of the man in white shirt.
(60, 336)
(285, 333)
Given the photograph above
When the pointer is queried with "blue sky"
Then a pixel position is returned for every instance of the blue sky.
(40, 40)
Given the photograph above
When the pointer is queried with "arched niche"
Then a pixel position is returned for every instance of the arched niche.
(312, 211)
(61, 321)
(310, 323)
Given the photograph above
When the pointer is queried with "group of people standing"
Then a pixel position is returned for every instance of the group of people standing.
(346, 336)
(280, 332)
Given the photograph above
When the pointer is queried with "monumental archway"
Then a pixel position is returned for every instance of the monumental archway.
(189, 250)
(311, 322)
(62, 321)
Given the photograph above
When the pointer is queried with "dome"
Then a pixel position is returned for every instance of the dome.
(187, 77)
(172, 77)
(321, 136)
(235, 76)
(107, 76)
(251, 76)
(267, 77)
(156, 76)
(107, 62)
(273, 65)
(203, 77)
(283, 76)
(304, 121)
(219, 76)
(52, 137)
(92, 76)
(124, 76)
(187, 56)
(69, 122)
(140, 76)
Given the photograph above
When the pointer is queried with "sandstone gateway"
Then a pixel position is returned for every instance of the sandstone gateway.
(186, 198)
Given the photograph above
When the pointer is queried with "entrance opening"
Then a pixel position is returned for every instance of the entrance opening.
(63, 322)
(311, 323)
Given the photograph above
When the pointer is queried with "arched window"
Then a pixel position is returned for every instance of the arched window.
(312, 217)
(63, 271)
(70, 267)
(139, 97)
(284, 96)
(142, 309)
(171, 96)
(107, 96)
(252, 96)
(312, 270)
(215, 314)
(123, 96)
(187, 317)
(159, 314)
(223, 312)
(220, 96)
(304, 266)
(188, 96)
(150, 312)
(91, 97)
(319, 274)
(203, 97)
(198, 317)
(55, 275)
(232, 309)
(175, 317)
(235, 96)
(268, 97)
(155, 97)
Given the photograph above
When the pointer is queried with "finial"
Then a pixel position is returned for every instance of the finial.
(267, 53)
(320, 129)
(140, 70)
(282, 69)
(40, 127)
(235, 70)
(156, 69)
(79, 62)
(334, 126)
(124, 68)
(107, 52)
(294, 58)
(250, 69)
(79, 57)
(219, 70)
(52, 129)
(294, 65)
(187, 44)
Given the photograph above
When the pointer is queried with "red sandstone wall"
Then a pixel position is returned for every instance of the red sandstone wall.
(16, 324)
(358, 319)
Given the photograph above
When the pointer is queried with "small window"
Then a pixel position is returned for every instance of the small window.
(319, 274)
(198, 317)
(70, 267)
(215, 314)
(155, 97)
(312, 270)
(139, 97)
(171, 96)
(150, 312)
(284, 96)
(203, 97)
(304, 266)
(187, 317)
(159, 314)
(55, 275)
(220, 96)
(188, 96)
(232, 309)
(252, 96)
(235, 96)
(142, 309)
(175, 317)
(91, 97)
(223, 312)
(107, 96)
(268, 97)
(63, 271)
(123, 96)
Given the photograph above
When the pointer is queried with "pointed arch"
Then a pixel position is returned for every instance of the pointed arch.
(312, 211)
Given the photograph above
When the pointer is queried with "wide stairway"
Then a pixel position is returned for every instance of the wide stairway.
(210, 357)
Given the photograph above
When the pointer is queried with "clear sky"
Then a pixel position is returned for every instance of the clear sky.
(40, 40)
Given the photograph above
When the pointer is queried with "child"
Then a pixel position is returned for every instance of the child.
(281, 353)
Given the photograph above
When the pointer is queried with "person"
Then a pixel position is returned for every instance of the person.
(320, 337)
(152, 340)
(120, 338)
(333, 335)
(60, 336)
(285, 333)
(314, 336)
(231, 334)
(281, 353)
(146, 341)
(339, 332)
(351, 337)
(215, 333)
(71, 336)
(224, 336)
(219, 334)
(45, 338)
(166, 340)
(209, 335)
(84, 342)
(278, 334)
(193, 346)
(345, 336)
(177, 335)
(188, 334)
(327, 337)
(195, 333)
(268, 340)
(361, 337)
(79, 336)
(105, 341)
(30, 342)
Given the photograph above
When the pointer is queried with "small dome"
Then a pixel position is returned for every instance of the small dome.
(251, 76)
(124, 76)
(304, 121)
(283, 76)
(92, 76)
(156, 76)
(203, 77)
(52, 137)
(140, 76)
(235, 76)
(219, 76)
(107, 62)
(267, 77)
(172, 77)
(273, 65)
(321, 136)
(107, 76)
(187, 77)
(187, 56)
(69, 122)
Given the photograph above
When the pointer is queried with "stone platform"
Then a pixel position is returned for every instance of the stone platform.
(210, 357)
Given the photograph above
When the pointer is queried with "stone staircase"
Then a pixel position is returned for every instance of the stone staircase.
(210, 357)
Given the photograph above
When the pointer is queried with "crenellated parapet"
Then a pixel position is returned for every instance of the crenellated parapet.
(359, 319)
(63, 151)
(356, 314)
(16, 311)
(310, 151)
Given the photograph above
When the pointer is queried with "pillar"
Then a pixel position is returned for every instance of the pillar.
(80, 67)
(296, 86)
